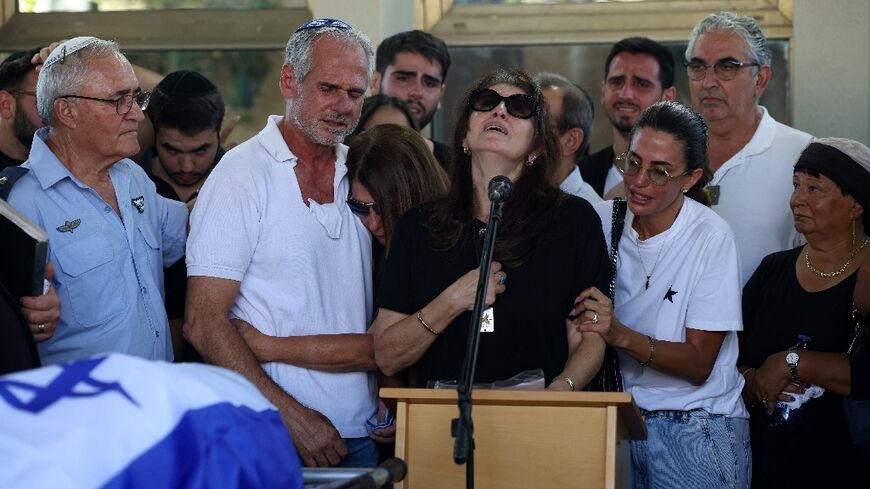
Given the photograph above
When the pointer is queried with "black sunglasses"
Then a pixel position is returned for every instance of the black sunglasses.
(361, 208)
(518, 105)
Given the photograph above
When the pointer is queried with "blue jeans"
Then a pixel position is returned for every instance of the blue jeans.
(692, 449)
(361, 453)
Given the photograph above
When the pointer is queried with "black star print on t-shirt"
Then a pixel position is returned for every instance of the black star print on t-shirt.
(669, 295)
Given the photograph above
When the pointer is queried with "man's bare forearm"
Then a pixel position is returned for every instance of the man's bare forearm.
(208, 328)
(328, 352)
(348, 352)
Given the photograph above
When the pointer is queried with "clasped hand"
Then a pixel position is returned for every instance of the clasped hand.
(593, 313)
(771, 382)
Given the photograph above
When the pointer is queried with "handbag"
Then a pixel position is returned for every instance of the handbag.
(858, 410)
(609, 377)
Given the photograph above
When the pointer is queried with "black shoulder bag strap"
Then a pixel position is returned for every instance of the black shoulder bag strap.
(609, 378)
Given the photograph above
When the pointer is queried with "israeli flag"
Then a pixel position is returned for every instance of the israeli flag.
(120, 421)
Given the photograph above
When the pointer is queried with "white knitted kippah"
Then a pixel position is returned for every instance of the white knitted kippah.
(68, 47)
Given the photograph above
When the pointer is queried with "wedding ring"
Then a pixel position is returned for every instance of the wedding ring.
(594, 318)
(502, 279)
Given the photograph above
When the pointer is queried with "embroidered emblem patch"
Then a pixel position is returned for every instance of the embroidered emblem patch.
(139, 203)
(669, 295)
(69, 226)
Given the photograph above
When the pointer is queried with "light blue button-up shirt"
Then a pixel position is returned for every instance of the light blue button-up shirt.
(108, 271)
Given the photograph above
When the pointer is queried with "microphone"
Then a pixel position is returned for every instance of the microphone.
(500, 188)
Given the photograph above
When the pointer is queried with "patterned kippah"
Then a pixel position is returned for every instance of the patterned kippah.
(68, 47)
(186, 83)
(323, 23)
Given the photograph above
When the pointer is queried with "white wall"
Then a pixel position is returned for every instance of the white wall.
(831, 68)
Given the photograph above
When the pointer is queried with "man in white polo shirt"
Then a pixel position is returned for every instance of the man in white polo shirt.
(274, 245)
(750, 154)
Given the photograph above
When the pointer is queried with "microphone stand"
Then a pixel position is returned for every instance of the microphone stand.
(463, 428)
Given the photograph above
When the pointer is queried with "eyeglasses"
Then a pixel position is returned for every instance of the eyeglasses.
(725, 69)
(321, 23)
(658, 176)
(361, 208)
(123, 104)
(518, 105)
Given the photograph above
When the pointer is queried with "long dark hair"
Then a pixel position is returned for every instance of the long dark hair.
(529, 209)
(689, 129)
(394, 164)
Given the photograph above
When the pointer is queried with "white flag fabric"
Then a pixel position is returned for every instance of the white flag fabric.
(120, 421)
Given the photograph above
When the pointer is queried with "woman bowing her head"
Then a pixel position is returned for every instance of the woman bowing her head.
(677, 309)
(549, 247)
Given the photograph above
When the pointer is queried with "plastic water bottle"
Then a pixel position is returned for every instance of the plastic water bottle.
(788, 413)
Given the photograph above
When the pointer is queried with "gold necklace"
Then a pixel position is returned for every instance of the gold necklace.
(842, 269)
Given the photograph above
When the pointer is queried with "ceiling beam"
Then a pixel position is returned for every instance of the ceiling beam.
(159, 29)
(663, 20)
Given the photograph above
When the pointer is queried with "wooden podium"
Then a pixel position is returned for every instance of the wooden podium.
(523, 439)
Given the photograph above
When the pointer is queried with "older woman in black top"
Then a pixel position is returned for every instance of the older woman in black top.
(809, 291)
(549, 248)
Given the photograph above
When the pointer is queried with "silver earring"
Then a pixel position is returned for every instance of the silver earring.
(465, 150)
(531, 159)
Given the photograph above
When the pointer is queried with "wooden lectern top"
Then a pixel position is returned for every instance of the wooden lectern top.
(628, 411)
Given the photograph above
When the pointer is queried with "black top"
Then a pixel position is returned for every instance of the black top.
(776, 309)
(163, 187)
(442, 154)
(594, 168)
(529, 316)
(6, 161)
(17, 348)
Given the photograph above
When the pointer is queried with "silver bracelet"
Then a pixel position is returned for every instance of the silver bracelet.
(652, 352)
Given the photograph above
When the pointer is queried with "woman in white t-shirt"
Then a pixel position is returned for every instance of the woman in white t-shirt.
(677, 310)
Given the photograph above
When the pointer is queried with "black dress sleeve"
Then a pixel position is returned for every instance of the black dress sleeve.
(395, 291)
(592, 259)
(751, 299)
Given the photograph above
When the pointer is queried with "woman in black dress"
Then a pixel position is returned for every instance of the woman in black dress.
(549, 248)
(809, 291)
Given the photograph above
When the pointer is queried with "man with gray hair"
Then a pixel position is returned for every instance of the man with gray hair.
(750, 154)
(571, 116)
(279, 268)
(110, 233)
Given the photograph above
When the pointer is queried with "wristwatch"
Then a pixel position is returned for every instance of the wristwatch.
(791, 359)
